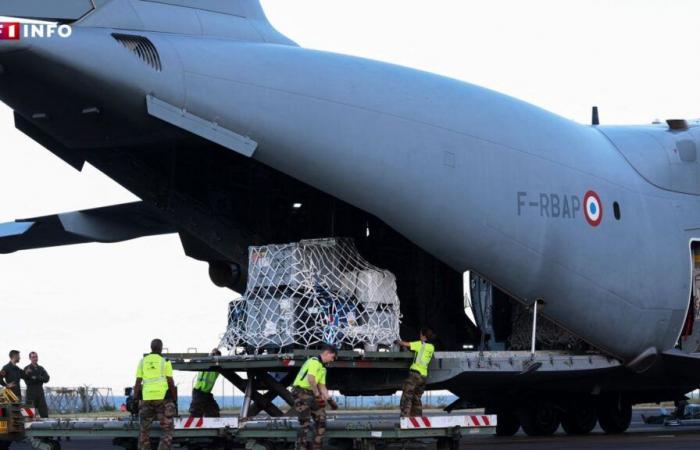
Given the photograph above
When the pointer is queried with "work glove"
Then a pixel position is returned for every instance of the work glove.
(320, 402)
(332, 403)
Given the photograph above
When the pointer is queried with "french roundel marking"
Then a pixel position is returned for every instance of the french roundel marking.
(592, 208)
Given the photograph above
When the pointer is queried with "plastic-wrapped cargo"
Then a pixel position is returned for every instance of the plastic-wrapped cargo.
(303, 294)
(273, 266)
(270, 321)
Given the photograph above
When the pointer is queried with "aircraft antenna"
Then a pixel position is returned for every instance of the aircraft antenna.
(595, 120)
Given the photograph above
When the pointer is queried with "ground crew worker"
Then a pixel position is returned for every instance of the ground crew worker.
(310, 397)
(156, 390)
(10, 374)
(203, 403)
(414, 386)
(35, 377)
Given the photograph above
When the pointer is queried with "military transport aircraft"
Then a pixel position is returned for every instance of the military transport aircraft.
(232, 135)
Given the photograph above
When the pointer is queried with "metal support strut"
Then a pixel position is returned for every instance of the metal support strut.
(534, 327)
(253, 400)
(532, 365)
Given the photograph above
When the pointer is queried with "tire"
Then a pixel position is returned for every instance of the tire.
(580, 419)
(508, 423)
(614, 414)
(540, 420)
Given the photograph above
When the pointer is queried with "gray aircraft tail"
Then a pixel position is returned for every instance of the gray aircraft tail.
(242, 20)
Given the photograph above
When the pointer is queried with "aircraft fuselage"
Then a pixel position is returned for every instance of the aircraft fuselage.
(480, 180)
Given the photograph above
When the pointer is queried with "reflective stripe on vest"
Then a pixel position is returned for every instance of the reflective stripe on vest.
(419, 363)
(205, 381)
(300, 381)
(161, 378)
(419, 356)
(154, 379)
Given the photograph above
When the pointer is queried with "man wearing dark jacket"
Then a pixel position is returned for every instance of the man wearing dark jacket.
(10, 374)
(35, 376)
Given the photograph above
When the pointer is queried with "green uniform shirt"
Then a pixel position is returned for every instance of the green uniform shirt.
(205, 381)
(312, 366)
(424, 353)
(154, 370)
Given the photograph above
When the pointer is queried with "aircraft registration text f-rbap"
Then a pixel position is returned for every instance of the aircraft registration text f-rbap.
(553, 205)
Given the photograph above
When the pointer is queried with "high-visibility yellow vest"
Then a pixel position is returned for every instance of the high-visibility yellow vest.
(424, 353)
(154, 370)
(205, 381)
(312, 366)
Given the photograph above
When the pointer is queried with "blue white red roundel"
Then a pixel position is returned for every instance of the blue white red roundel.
(592, 208)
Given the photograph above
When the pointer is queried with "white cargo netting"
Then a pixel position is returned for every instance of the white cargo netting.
(303, 294)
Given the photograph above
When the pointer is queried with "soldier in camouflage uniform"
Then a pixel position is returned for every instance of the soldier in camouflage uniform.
(414, 386)
(156, 391)
(310, 397)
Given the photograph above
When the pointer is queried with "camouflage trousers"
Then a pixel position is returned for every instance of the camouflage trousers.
(413, 388)
(161, 410)
(306, 407)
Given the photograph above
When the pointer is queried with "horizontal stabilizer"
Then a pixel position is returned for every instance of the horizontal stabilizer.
(108, 224)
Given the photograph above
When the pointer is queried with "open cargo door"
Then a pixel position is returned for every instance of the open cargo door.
(690, 336)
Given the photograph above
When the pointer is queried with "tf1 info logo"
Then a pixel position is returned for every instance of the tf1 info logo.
(14, 31)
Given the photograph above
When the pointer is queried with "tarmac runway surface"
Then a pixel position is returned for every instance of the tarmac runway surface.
(639, 436)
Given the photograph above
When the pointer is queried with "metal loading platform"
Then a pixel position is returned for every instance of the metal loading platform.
(274, 373)
(466, 374)
(346, 431)
(262, 425)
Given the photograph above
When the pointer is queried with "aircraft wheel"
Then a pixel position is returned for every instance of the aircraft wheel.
(540, 420)
(580, 419)
(508, 424)
(614, 414)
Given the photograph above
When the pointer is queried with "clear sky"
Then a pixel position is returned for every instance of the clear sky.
(90, 310)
